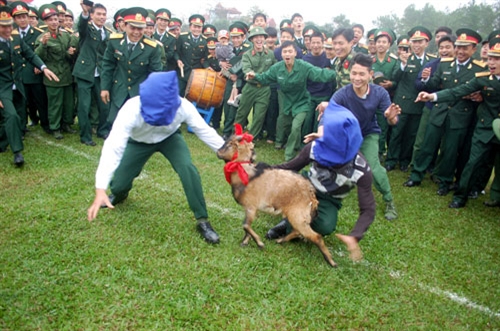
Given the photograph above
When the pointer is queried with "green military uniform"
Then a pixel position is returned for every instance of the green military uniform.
(123, 72)
(212, 63)
(294, 97)
(342, 67)
(167, 41)
(404, 133)
(360, 48)
(255, 95)
(13, 53)
(87, 71)
(192, 52)
(59, 94)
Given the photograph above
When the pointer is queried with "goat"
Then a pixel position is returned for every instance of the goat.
(274, 191)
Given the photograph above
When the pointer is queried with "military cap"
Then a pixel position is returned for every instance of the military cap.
(118, 15)
(466, 37)
(370, 35)
(211, 42)
(174, 23)
(69, 13)
(197, 19)
(494, 47)
(420, 33)
(18, 8)
(328, 43)
(32, 12)
(135, 16)
(379, 77)
(209, 29)
(256, 31)
(309, 30)
(47, 11)
(5, 16)
(385, 32)
(150, 20)
(403, 41)
(61, 6)
(238, 28)
(163, 13)
(493, 34)
(286, 23)
(3, 2)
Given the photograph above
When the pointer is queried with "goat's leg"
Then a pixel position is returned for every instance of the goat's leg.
(292, 235)
(305, 230)
(247, 226)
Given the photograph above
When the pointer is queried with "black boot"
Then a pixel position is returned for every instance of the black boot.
(278, 231)
(206, 230)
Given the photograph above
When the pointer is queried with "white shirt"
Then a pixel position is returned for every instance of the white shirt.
(130, 124)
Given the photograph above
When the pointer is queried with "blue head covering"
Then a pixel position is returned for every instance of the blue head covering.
(160, 99)
(341, 137)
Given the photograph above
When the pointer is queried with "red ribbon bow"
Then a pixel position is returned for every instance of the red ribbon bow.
(231, 167)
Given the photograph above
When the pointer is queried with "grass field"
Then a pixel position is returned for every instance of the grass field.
(143, 266)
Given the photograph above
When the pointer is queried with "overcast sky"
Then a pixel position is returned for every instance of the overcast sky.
(360, 11)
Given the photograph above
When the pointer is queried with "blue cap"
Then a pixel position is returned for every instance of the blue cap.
(160, 99)
(341, 138)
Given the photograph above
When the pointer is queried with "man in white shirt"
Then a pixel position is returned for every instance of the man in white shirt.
(150, 123)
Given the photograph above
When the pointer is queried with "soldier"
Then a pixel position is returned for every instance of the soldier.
(166, 38)
(342, 43)
(209, 30)
(383, 66)
(484, 140)
(128, 60)
(452, 120)
(174, 27)
(212, 63)
(57, 49)
(273, 107)
(237, 32)
(68, 19)
(359, 31)
(298, 27)
(10, 66)
(88, 68)
(329, 51)
(119, 23)
(404, 133)
(33, 17)
(32, 79)
(191, 50)
(255, 95)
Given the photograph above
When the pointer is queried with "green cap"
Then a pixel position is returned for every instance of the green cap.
(238, 28)
(47, 11)
(256, 31)
(163, 13)
(61, 6)
(309, 30)
(385, 32)
(370, 35)
(135, 16)
(467, 37)
(286, 23)
(196, 19)
(420, 33)
(209, 29)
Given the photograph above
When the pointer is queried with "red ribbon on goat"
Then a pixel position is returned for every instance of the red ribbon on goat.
(231, 167)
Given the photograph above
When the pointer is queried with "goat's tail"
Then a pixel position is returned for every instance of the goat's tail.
(314, 202)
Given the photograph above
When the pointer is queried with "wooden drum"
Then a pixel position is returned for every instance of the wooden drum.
(206, 88)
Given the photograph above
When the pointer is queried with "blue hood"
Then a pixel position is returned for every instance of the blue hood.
(160, 99)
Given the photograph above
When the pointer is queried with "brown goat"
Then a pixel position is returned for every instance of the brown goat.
(273, 191)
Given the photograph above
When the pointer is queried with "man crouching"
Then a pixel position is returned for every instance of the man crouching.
(150, 123)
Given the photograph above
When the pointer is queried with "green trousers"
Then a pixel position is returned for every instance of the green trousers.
(422, 127)
(229, 111)
(10, 126)
(256, 98)
(384, 128)
(175, 150)
(291, 124)
(311, 121)
(88, 91)
(402, 139)
(60, 106)
(370, 150)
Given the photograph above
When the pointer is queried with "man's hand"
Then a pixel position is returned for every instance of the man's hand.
(424, 96)
(1, 104)
(426, 73)
(250, 75)
(101, 199)
(321, 109)
(404, 57)
(105, 96)
(225, 65)
(391, 113)
(85, 9)
(45, 38)
(71, 51)
(476, 97)
(233, 77)
(387, 84)
(50, 75)
(313, 136)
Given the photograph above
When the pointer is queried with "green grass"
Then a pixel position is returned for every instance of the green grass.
(143, 266)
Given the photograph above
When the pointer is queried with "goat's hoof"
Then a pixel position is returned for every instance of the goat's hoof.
(244, 244)
(260, 246)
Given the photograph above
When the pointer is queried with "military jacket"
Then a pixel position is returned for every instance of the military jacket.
(342, 67)
(386, 66)
(257, 62)
(487, 111)
(406, 92)
(360, 48)
(212, 62)
(11, 64)
(56, 57)
(460, 112)
(191, 53)
(123, 73)
(169, 42)
(28, 71)
(92, 48)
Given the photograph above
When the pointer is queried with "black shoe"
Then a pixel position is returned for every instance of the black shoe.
(492, 203)
(103, 136)
(390, 167)
(443, 191)
(88, 143)
(206, 230)
(68, 129)
(57, 134)
(473, 195)
(278, 231)
(18, 159)
(411, 183)
(453, 187)
(456, 204)
(403, 168)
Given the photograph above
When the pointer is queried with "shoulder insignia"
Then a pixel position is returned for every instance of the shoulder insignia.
(432, 55)
(202, 36)
(210, 56)
(116, 35)
(38, 29)
(43, 26)
(394, 56)
(69, 30)
(173, 35)
(184, 33)
(447, 59)
(109, 30)
(159, 42)
(15, 32)
(150, 42)
(363, 46)
(482, 74)
(479, 63)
